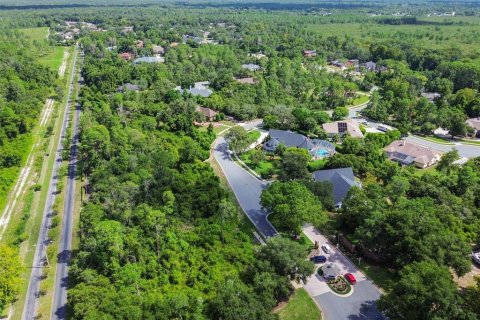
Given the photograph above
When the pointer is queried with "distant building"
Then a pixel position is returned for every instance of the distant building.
(475, 124)
(156, 59)
(309, 53)
(251, 67)
(207, 112)
(127, 56)
(369, 66)
(127, 29)
(128, 87)
(158, 49)
(246, 80)
(407, 153)
(139, 44)
(343, 127)
(431, 96)
(342, 180)
(258, 55)
(174, 44)
(199, 89)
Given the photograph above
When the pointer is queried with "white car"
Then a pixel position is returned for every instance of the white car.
(476, 257)
(326, 248)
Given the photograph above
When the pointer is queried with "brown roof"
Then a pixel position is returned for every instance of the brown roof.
(126, 55)
(207, 112)
(419, 153)
(474, 123)
(246, 80)
(337, 127)
(158, 49)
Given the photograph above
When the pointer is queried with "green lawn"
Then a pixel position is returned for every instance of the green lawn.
(263, 167)
(50, 56)
(300, 307)
(253, 135)
(359, 100)
(36, 34)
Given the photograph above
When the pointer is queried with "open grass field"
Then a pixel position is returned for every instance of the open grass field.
(434, 33)
(50, 56)
(300, 307)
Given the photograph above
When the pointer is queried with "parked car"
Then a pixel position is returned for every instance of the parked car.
(350, 278)
(476, 257)
(326, 248)
(318, 259)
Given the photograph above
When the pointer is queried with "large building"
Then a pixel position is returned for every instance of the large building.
(407, 153)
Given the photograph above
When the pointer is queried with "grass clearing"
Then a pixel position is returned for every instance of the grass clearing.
(300, 307)
(263, 168)
(361, 99)
(50, 56)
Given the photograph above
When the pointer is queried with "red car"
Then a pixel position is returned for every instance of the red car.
(350, 278)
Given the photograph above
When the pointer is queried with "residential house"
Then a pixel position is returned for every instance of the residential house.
(258, 55)
(158, 49)
(342, 127)
(342, 180)
(338, 64)
(315, 147)
(407, 153)
(156, 59)
(246, 80)
(127, 29)
(128, 87)
(174, 44)
(369, 66)
(475, 124)
(199, 89)
(251, 67)
(309, 53)
(207, 112)
(431, 96)
(127, 56)
(139, 44)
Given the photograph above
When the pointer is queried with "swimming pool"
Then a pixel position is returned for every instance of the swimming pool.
(322, 153)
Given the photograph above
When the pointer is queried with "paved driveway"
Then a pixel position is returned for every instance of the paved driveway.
(359, 305)
(246, 188)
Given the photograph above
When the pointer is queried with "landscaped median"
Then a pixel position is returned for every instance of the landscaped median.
(339, 285)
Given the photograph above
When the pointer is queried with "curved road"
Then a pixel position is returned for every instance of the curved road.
(246, 187)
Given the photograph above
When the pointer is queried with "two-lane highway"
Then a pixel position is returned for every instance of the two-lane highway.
(39, 260)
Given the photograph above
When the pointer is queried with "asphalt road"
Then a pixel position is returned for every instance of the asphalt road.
(59, 304)
(39, 259)
(246, 187)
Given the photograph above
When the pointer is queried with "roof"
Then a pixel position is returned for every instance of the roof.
(289, 139)
(148, 60)
(126, 55)
(342, 126)
(199, 89)
(330, 270)
(207, 112)
(431, 95)
(474, 123)
(407, 152)
(251, 67)
(246, 80)
(128, 87)
(342, 179)
(158, 49)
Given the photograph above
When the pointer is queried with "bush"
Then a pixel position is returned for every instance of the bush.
(36, 187)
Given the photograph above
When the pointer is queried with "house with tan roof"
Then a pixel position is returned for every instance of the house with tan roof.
(475, 124)
(246, 80)
(407, 153)
(343, 127)
(207, 112)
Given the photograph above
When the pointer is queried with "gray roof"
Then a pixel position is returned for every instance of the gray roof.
(200, 92)
(342, 179)
(330, 270)
(251, 66)
(288, 138)
(128, 86)
(148, 60)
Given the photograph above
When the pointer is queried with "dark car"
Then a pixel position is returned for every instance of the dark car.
(318, 259)
(350, 278)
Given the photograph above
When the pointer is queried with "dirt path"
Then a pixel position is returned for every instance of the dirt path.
(63, 66)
